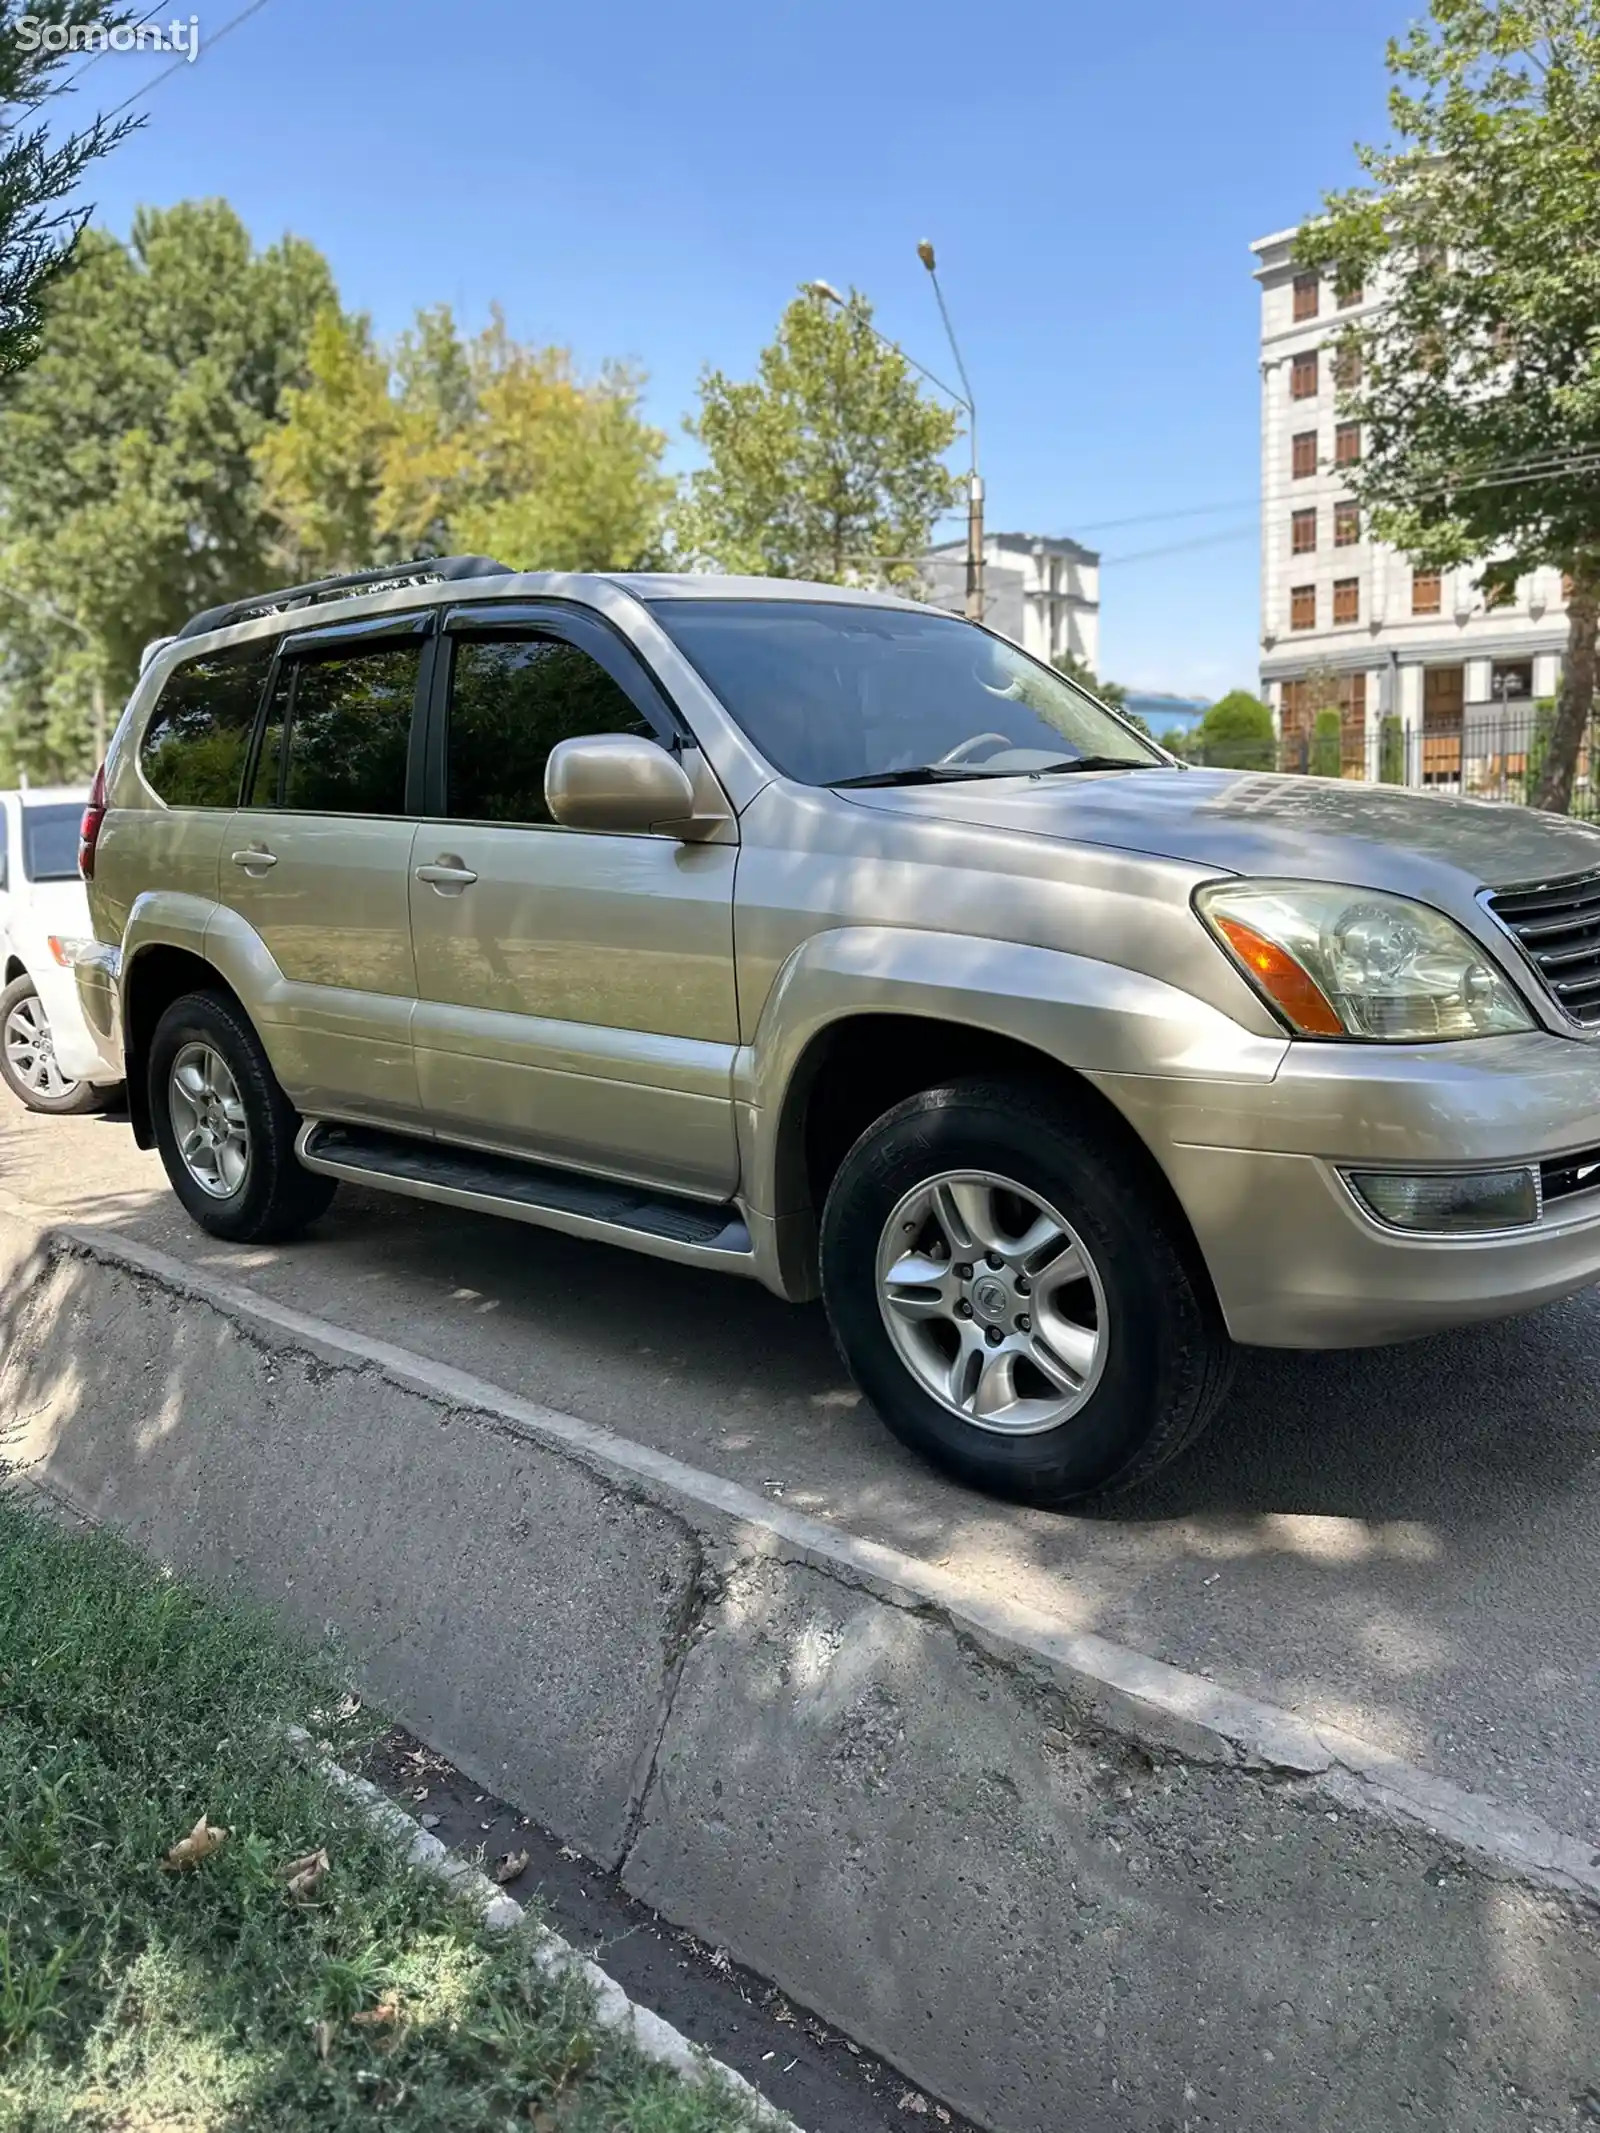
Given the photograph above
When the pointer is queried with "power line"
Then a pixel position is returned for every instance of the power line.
(178, 65)
(1205, 540)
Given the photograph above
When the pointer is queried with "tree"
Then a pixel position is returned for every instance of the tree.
(441, 444)
(1236, 734)
(1109, 692)
(825, 465)
(1477, 380)
(38, 232)
(128, 491)
(1326, 744)
(1391, 750)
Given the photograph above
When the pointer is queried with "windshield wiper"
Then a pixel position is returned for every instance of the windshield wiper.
(918, 774)
(1093, 762)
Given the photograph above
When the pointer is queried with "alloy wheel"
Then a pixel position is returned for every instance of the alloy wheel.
(31, 1051)
(208, 1121)
(993, 1302)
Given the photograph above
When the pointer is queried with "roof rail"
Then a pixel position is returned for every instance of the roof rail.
(430, 570)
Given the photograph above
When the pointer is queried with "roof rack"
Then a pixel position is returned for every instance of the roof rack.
(430, 570)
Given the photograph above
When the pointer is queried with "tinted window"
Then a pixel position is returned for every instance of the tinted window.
(269, 758)
(350, 731)
(511, 701)
(195, 745)
(829, 692)
(50, 842)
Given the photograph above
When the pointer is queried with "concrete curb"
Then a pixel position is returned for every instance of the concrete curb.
(792, 1741)
(651, 2036)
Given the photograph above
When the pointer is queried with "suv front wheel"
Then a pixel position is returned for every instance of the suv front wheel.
(224, 1127)
(1007, 1289)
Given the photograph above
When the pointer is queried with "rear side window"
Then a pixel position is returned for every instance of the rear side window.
(348, 733)
(50, 842)
(511, 701)
(195, 744)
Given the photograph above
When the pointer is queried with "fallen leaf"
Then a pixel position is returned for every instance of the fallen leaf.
(349, 1705)
(377, 2017)
(430, 1821)
(322, 2038)
(200, 1843)
(915, 2104)
(303, 1875)
(508, 1868)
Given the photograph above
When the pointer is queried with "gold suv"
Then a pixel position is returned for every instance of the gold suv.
(821, 937)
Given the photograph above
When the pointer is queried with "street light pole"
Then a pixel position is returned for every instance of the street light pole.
(975, 601)
(963, 400)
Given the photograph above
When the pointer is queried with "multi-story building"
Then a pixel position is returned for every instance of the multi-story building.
(1041, 592)
(1348, 617)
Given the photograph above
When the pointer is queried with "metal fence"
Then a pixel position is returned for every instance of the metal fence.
(1490, 753)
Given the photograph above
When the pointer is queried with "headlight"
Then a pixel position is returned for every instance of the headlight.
(1339, 962)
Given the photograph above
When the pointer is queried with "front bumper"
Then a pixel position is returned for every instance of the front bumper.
(1296, 1263)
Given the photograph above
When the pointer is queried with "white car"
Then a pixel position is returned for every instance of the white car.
(47, 1057)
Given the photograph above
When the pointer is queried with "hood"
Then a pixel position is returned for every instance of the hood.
(1309, 829)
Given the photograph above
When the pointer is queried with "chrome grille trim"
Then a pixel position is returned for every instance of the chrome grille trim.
(1556, 925)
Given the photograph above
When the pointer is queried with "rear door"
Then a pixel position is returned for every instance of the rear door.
(317, 865)
(575, 988)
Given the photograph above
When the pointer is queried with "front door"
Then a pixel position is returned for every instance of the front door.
(1443, 706)
(318, 866)
(575, 989)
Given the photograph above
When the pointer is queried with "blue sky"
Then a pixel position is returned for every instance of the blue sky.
(652, 182)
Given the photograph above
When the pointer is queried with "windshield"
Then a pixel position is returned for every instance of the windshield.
(50, 842)
(831, 693)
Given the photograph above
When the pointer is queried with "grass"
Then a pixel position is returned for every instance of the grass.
(134, 1999)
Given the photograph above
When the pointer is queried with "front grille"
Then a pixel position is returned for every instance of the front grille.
(1557, 926)
(1564, 1176)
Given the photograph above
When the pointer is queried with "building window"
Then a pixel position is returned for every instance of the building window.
(1346, 444)
(1303, 532)
(1350, 294)
(1427, 592)
(1303, 375)
(1347, 366)
(1306, 290)
(1346, 524)
(1303, 454)
(1499, 596)
(1347, 599)
(1303, 607)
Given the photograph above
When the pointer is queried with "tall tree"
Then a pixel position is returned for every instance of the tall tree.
(441, 443)
(39, 231)
(128, 490)
(827, 464)
(1477, 379)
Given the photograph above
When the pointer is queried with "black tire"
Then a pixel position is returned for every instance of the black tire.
(1167, 1358)
(275, 1199)
(79, 1096)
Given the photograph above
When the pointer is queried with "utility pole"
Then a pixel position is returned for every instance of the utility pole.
(975, 599)
(830, 295)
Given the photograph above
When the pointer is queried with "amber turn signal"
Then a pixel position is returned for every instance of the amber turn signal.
(1296, 995)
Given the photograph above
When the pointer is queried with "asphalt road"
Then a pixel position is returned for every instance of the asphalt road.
(1403, 1541)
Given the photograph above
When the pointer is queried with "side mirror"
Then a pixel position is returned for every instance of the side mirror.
(616, 781)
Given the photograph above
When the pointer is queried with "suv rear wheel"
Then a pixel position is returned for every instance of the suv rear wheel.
(1008, 1291)
(224, 1127)
(28, 1062)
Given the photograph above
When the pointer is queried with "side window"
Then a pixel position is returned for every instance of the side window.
(511, 701)
(197, 739)
(5, 873)
(348, 733)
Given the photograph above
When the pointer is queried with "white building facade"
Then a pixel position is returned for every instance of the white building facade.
(1040, 591)
(1344, 614)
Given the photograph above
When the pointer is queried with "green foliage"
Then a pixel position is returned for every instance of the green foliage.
(1544, 720)
(39, 232)
(208, 1999)
(1109, 692)
(128, 489)
(1479, 385)
(1326, 745)
(1391, 750)
(445, 445)
(827, 464)
(1236, 734)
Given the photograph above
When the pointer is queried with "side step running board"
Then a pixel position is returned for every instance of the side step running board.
(666, 1226)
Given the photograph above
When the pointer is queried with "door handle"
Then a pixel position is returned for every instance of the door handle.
(447, 874)
(255, 858)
